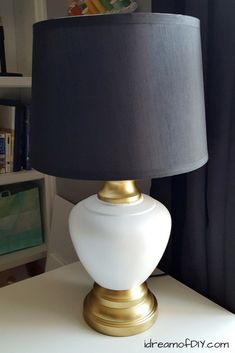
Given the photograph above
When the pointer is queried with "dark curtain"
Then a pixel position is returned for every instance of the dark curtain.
(201, 251)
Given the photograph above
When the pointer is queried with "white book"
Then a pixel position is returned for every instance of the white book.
(7, 122)
(9, 159)
(7, 117)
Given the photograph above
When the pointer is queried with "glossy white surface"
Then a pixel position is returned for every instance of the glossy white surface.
(44, 315)
(119, 245)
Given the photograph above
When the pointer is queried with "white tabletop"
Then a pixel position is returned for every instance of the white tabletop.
(44, 315)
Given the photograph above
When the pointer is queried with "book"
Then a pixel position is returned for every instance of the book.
(2, 152)
(26, 158)
(12, 114)
(6, 151)
(9, 156)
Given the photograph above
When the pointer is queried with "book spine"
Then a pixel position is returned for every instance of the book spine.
(2, 153)
(18, 137)
(9, 165)
(26, 158)
(12, 150)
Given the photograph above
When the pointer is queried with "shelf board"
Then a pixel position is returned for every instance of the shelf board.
(15, 82)
(19, 177)
(22, 257)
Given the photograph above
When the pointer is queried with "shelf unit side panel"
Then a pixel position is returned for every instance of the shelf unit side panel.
(47, 194)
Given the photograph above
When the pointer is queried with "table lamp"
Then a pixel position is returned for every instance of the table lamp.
(118, 98)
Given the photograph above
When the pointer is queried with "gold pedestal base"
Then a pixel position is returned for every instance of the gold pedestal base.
(120, 312)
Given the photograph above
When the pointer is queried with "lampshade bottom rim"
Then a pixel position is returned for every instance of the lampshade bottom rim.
(137, 175)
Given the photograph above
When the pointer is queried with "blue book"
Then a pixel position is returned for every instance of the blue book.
(26, 158)
(2, 153)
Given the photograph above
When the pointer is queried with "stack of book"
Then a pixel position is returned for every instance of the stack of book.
(14, 136)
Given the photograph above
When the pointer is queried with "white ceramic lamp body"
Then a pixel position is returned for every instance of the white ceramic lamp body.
(119, 245)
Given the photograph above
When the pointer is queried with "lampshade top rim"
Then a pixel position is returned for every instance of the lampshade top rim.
(123, 98)
(140, 17)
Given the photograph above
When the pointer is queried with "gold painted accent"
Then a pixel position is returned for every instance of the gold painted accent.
(119, 191)
(120, 312)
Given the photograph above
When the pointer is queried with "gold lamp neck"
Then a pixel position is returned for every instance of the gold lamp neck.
(119, 191)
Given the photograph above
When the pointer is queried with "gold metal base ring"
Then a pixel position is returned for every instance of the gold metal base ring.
(120, 312)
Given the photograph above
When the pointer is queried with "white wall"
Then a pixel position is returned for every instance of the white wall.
(76, 190)
(144, 5)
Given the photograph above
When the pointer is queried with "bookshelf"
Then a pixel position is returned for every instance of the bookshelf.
(17, 19)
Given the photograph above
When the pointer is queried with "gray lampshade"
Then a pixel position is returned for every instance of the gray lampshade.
(118, 97)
